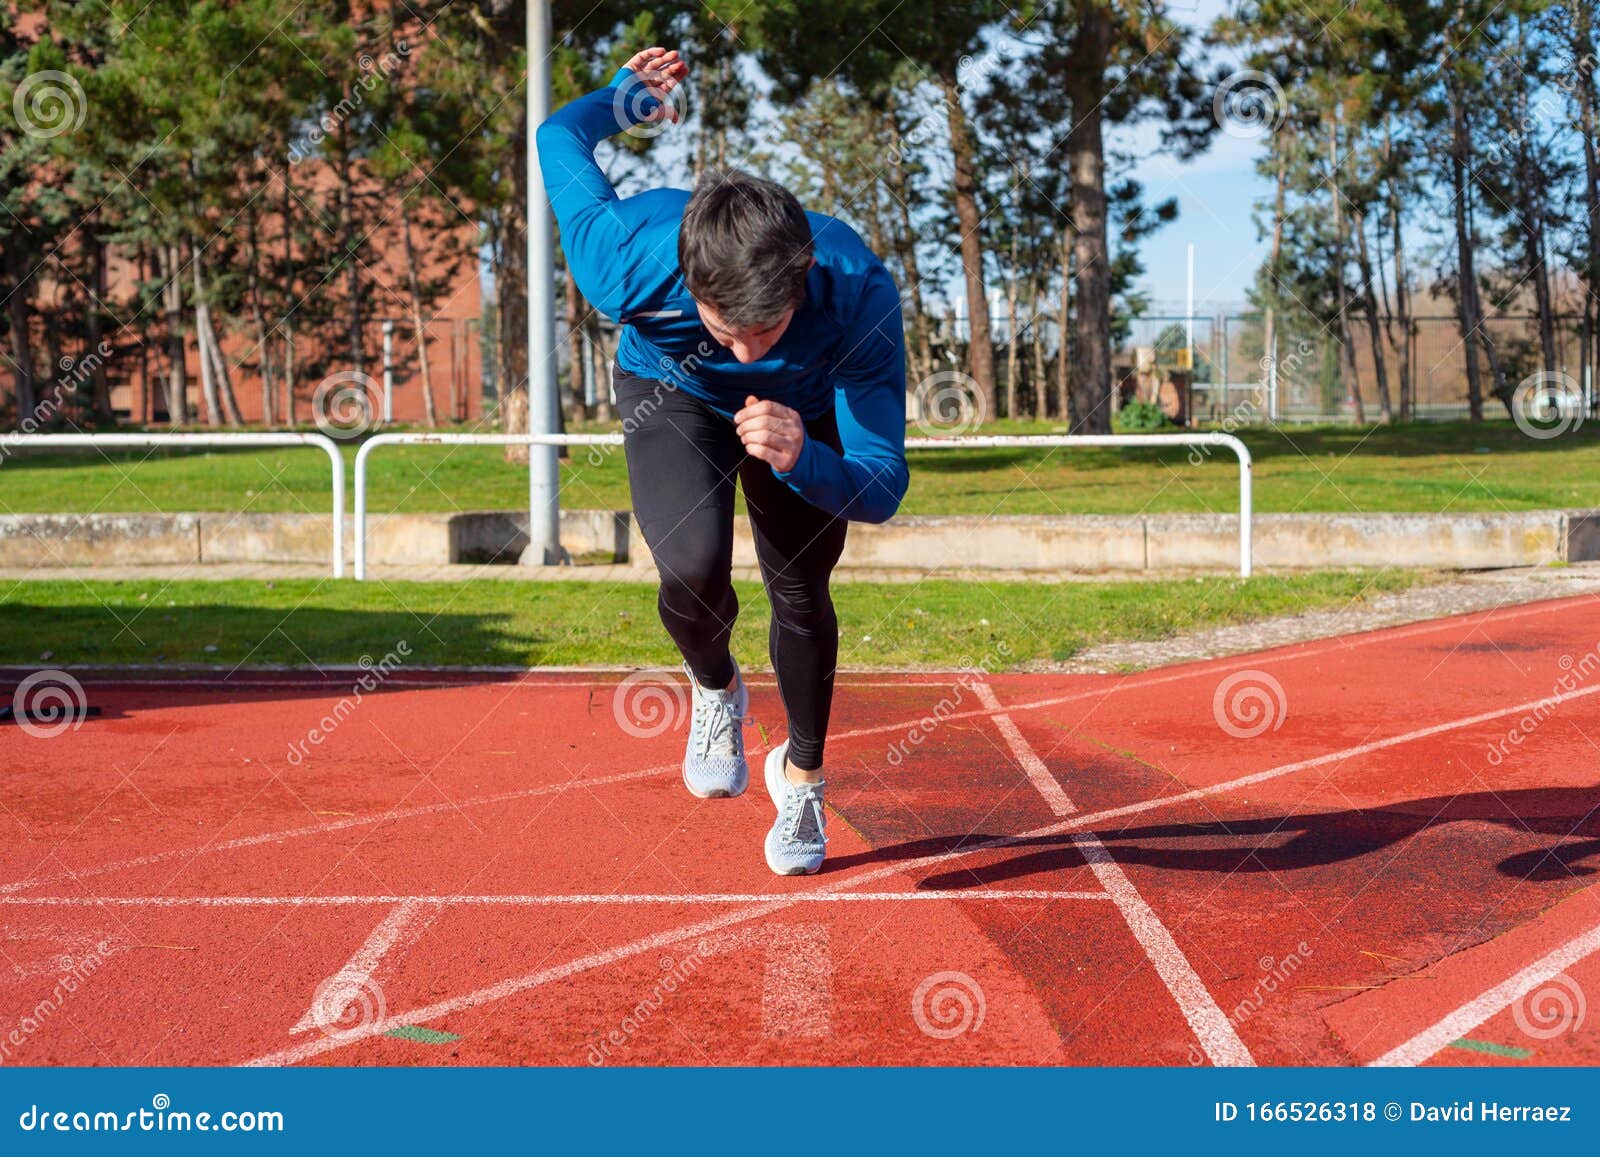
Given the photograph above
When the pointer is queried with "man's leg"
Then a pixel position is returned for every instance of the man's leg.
(682, 459)
(798, 546)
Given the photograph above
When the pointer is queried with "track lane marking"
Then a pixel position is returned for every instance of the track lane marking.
(541, 901)
(1470, 1015)
(337, 993)
(532, 980)
(1133, 682)
(1046, 784)
(1210, 1026)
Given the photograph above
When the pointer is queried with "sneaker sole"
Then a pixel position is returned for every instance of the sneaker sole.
(797, 870)
(714, 793)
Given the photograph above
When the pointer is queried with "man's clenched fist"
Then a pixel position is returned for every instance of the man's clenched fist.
(771, 432)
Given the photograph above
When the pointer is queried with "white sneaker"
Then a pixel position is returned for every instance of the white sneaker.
(714, 766)
(799, 838)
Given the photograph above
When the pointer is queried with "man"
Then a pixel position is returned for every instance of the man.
(764, 342)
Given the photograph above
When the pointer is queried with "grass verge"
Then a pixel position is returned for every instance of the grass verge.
(931, 624)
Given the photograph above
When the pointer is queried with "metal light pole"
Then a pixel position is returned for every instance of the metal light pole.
(544, 415)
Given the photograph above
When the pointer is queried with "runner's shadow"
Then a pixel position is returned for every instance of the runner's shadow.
(1297, 841)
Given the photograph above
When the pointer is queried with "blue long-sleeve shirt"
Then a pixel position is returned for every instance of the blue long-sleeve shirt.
(844, 350)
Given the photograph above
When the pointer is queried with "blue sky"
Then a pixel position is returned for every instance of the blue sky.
(1216, 193)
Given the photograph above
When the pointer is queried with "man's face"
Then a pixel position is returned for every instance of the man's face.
(748, 343)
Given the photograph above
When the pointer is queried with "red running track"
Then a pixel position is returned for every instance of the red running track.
(1371, 849)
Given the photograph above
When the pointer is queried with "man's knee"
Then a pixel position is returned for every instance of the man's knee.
(805, 608)
(693, 585)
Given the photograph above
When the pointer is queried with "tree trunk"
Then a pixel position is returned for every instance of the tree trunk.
(349, 243)
(1589, 124)
(906, 244)
(1402, 289)
(1011, 332)
(1341, 287)
(1369, 306)
(1467, 312)
(1064, 332)
(575, 309)
(1041, 409)
(964, 190)
(94, 325)
(1528, 181)
(1269, 334)
(430, 415)
(213, 367)
(22, 367)
(1092, 396)
(177, 348)
(286, 318)
(258, 318)
(512, 302)
(147, 402)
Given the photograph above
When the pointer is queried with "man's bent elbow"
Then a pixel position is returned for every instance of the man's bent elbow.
(884, 501)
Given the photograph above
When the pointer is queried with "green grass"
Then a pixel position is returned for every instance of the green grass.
(1432, 467)
(929, 624)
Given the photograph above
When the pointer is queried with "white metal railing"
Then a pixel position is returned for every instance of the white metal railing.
(321, 441)
(1043, 441)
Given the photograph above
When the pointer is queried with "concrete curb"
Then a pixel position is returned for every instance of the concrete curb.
(1026, 543)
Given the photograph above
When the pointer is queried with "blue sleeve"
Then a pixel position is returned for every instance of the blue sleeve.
(596, 224)
(866, 482)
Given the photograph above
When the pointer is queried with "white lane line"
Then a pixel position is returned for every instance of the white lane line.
(336, 688)
(1355, 752)
(1032, 765)
(1132, 809)
(538, 901)
(517, 984)
(345, 987)
(333, 826)
(1469, 1016)
(1211, 1028)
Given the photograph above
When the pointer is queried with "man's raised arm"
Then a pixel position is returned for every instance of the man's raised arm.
(594, 222)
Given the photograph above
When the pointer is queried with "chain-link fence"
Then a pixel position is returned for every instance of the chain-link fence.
(1308, 376)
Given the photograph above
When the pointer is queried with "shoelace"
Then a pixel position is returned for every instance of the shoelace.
(808, 806)
(719, 723)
